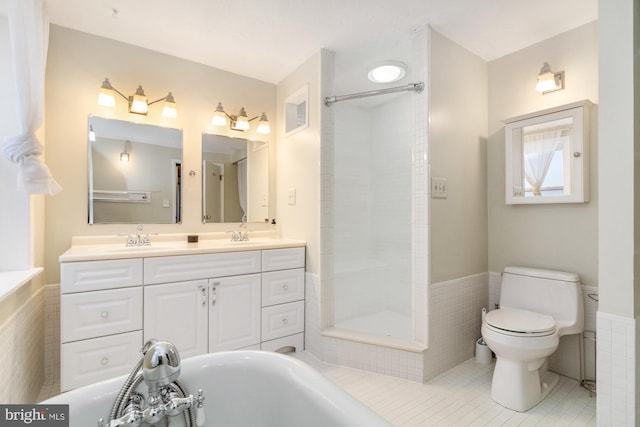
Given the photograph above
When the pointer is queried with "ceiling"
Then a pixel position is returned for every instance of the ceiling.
(268, 39)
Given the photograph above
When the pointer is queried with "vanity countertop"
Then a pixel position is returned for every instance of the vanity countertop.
(97, 248)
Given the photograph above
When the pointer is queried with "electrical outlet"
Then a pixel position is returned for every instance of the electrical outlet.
(439, 188)
(292, 196)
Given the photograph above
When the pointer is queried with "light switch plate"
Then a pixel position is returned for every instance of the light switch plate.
(439, 188)
(292, 196)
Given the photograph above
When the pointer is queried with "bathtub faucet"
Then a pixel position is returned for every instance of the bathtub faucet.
(167, 396)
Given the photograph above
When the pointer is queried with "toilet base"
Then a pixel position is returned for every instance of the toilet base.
(516, 387)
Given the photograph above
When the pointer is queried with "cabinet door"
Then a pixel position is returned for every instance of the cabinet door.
(177, 312)
(234, 314)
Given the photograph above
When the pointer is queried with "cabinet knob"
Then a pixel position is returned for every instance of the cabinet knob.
(285, 287)
(104, 314)
(104, 361)
(285, 321)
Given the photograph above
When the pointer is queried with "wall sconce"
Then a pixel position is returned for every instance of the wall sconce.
(239, 122)
(138, 102)
(124, 156)
(548, 81)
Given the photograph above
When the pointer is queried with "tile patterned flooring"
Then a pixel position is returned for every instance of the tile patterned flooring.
(459, 397)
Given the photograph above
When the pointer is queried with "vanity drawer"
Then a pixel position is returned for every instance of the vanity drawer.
(86, 362)
(96, 275)
(281, 259)
(282, 286)
(193, 267)
(99, 313)
(285, 344)
(282, 320)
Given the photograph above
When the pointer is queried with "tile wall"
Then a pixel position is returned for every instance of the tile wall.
(617, 370)
(455, 308)
(52, 334)
(22, 367)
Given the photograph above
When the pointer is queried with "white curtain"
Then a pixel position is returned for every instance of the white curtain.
(29, 34)
(538, 153)
(242, 187)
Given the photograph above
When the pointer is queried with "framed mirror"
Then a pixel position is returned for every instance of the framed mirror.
(135, 173)
(547, 156)
(235, 179)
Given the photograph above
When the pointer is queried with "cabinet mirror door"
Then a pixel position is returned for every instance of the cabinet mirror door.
(547, 157)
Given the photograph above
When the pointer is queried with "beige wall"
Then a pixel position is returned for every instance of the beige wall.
(458, 139)
(298, 164)
(77, 64)
(558, 236)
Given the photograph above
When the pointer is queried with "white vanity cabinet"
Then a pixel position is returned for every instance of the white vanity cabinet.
(100, 320)
(282, 299)
(178, 312)
(204, 302)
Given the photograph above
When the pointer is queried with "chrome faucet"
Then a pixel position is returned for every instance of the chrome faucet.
(240, 236)
(167, 397)
(139, 240)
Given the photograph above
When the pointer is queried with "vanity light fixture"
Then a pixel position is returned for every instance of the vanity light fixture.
(138, 102)
(548, 81)
(387, 72)
(124, 156)
(241, 121)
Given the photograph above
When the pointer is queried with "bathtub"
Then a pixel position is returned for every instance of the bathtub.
(244, 389)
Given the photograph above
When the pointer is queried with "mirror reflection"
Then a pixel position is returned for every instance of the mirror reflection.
(135, 173)
(546, 157)
(235, 179)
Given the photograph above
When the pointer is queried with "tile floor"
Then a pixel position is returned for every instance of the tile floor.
(459, 397)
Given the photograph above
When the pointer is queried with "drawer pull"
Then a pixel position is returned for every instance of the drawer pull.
(285, 321)
(285, 287)
(104, 314)
(104, 361)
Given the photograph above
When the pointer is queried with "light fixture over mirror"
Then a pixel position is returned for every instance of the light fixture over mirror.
(138, 102)
(548, 81)
(239, 122)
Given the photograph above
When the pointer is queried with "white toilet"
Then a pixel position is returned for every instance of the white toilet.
(537, 307)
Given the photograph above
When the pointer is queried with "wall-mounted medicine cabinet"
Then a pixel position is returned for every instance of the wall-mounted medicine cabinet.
(547, 155)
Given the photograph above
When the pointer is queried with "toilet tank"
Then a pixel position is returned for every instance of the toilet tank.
(555, 293)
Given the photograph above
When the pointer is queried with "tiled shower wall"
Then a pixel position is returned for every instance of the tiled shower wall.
(455, 317)
(22, 362)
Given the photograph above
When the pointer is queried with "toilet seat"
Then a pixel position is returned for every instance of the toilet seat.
(521, 323)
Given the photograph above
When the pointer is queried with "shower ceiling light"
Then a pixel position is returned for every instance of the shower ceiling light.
(387, 72)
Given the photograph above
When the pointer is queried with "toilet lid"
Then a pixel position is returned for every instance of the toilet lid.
(520, 321)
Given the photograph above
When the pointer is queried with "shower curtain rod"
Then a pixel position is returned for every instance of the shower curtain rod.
(418, 87)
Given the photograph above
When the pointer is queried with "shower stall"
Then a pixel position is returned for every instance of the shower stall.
(377, 196)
